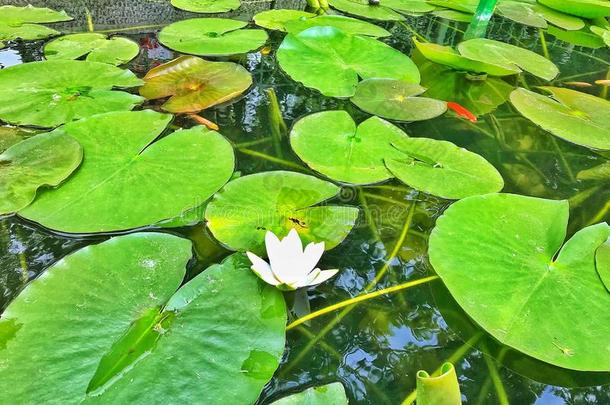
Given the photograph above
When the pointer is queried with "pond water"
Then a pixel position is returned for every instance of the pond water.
(376, 347)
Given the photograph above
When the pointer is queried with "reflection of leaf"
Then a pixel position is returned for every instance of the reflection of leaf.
(520, 284)
(194, 84)
(599, 173)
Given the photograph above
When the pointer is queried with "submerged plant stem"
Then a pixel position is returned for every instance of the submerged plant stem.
(90, 26)
(360, 298)
(453, 359)
(494, 375)
(545, 48)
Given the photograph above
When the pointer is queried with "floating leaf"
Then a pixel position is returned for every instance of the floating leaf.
(329, 60)
(127, 180)
(276, 19)
(45, 159)
(212, 37)
(346, 24)
(580, 8)
(480, 95)
(246, 208)
(577, 117)
(562, 20)
(602, 263)
(330, 143)
(329, 394)
(119, 321)
(465, 6)
(386, 10)
(501, 257)
(10, 136)
(484, 50)
(436, 390)
(395, 100)
(22, 22)
(603, 33)
(206, 6)
(50, 93)
(453, 15)
(96, 48)
(194, 84)
(521, 12)
(445, 55)
(442, 169)
(579, 38)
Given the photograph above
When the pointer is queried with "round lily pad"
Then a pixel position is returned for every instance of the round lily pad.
(94, 47)
(465, 6)
(442, 169)
(603, 33)
(453, 15)
(120, 320)
(386, 10)
(581, 8)
(194, 84)
(331, 143)
(45, 159)
(583, 37)
(212, 37)
(577, 117)
(10, 136)
(128, 180)
(520, 284)
(275, 19)
(396, 100)
(329, 60)
(50, 93)
(245, 209)
(446, 55)
(346, 24)
(23, 22)
(487, 50)
(329, 394)
(562, 20)
(206, 6)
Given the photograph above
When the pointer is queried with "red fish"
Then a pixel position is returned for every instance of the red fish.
(461, 111)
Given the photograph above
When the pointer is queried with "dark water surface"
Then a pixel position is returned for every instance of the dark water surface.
(376, 347)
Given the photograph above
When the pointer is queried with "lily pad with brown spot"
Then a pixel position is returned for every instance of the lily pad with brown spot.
(194, 84)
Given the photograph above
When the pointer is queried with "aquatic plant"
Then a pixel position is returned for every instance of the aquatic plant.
(385, 10)
(206, 6)
(329, 394)
(438, 389)
(24, 22)
(93, 47)
(120, 312)
(290, 266)
(200, 161)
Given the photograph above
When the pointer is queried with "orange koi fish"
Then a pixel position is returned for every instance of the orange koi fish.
(461, 111)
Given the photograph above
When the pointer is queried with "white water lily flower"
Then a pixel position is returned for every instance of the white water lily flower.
(290, 267)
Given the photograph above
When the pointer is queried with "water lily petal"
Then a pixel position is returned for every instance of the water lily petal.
(311, 256)
(285, 258)
(292, 242)
(323, 276)
(261, 269)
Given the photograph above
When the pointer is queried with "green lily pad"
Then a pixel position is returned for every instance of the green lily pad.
(94, 47)
(206, 6)
(484, 50)
(330, 143)
(580, 8)
(23, 22)
(453, 15)
(127, 180)
(10, 136)
(276, 19)
(603, 33)
(477, 96)
(111, 341)
(561, 20)
(396, 100)
(442, 169)
(446, 55)
(329, 60)
(465, 6)
(194, 84)
(520, 284)
(43, 160)
(386, 10)
(521, 12)
(51, 93)
(577, 117)
(329, 394)
(580, 38)
(246, 208)
(602, 263)
(439, 389)
(212, 37)
(346, 24)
